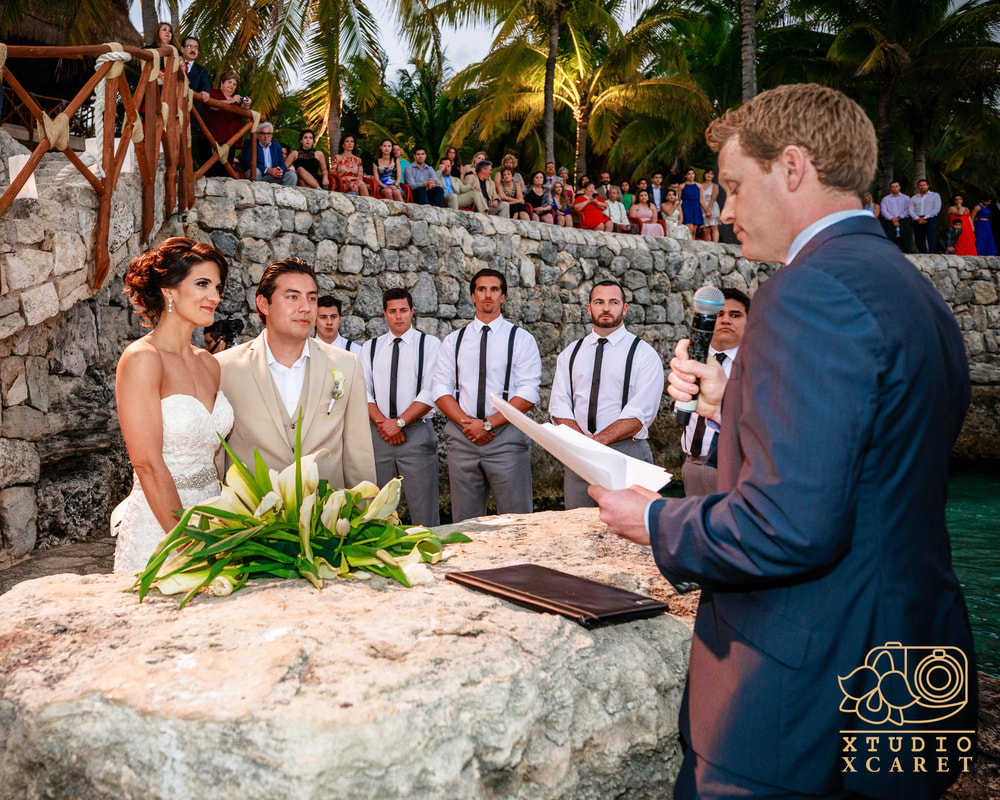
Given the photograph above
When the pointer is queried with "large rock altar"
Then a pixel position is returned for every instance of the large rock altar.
(363, 690)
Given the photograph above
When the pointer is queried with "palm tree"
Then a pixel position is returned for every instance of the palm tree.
(418, 112)
(600, 77)
(902, 49)
(540, 20)
(748, 27)
(272, 37)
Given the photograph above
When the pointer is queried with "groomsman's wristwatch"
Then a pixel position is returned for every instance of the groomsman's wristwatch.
(400, 422)
(487, 425)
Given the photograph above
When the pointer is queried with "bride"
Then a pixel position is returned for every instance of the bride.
(169, 403)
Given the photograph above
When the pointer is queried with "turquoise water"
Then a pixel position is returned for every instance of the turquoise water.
(974, 524)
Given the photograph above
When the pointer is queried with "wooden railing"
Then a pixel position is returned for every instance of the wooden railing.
(155, 118)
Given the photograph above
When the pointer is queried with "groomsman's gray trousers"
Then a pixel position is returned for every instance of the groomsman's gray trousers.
(503, 465)
(416, 461)
(575, 487)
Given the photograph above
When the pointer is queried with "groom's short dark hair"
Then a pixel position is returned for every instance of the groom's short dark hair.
(270, 277)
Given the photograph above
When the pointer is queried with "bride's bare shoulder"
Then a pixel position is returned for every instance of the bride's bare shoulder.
(140, 358)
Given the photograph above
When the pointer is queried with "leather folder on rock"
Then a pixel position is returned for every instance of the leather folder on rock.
(587, 602)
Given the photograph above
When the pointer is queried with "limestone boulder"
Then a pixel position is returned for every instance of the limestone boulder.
(363, 690)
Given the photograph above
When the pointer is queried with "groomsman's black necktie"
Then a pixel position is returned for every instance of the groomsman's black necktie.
(394, 375)
(595, 387)
(481, 396)
(699, 428)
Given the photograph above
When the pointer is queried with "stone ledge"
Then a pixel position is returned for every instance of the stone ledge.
(364, 690)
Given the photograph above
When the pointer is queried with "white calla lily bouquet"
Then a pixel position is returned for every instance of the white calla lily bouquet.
(290, 525)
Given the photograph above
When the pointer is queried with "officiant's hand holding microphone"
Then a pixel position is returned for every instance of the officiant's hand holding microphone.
(696, 387)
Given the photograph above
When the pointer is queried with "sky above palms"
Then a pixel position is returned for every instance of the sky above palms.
(462, 47)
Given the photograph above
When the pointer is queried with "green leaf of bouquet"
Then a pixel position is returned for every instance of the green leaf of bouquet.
(230, 542)
(213, 573)
(240, 466)
(454, 538)
(308, 571)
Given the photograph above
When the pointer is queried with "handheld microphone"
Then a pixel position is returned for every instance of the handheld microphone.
(708, 302)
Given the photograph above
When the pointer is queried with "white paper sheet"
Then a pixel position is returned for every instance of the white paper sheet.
(594, 462)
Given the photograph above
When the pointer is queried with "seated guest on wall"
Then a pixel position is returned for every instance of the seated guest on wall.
(270, 163)
(564, 177)
(399, 367)
(473, 167)
(509, 161)
(550, 175)
(537, 199)
(223, 125)
(607, 385)
(348, 168)
(645, 214)
(309, 164)
(482, 182)
(616, 211)
(456, 194)
(422, 180)
(397, 153)
(509, 192)
(328, 320)
(561, 206)
(456, 160)
(673, 217)
(627, 196)
(388, 171)
(591, 208)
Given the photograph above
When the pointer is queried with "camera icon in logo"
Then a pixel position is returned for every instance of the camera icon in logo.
(907, 685)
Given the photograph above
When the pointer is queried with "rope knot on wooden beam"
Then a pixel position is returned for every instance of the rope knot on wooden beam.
(3, 59)
(154, 73)
(55, 130)
(117, 55)
(256, 120)
(223, 151)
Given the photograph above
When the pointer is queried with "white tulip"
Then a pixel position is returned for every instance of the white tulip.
(331, 511)
(385, 502)
(418, 573)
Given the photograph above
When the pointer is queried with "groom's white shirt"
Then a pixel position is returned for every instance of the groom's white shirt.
(288, 380)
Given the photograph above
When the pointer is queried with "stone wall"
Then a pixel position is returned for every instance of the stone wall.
(62, 464)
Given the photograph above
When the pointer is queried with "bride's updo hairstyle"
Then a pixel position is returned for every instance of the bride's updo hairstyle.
(164, 268)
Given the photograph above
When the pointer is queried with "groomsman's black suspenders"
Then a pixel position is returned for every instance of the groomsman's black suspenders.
(420, 362)
(510, 360)
(628, 371)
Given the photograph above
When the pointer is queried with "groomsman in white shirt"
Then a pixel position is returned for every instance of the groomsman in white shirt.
(489, 355)
(607, 385)
(698, 441)
(925, 206)
(398, 368)
(328, 326)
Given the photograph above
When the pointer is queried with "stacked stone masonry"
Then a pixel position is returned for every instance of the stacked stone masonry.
(62, 462)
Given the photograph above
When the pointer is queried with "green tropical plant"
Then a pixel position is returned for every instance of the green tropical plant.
(602, 77)
(417, 111)
(930, 52)
(330, 38)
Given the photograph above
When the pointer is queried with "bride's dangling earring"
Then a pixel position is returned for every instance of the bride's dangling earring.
(170, 304)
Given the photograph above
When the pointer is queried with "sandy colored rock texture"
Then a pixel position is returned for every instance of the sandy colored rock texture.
(362, 691)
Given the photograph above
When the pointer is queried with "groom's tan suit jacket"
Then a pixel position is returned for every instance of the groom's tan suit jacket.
(263, 422)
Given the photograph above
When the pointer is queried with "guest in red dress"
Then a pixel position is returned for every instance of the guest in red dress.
(966, 244)
(591, 207)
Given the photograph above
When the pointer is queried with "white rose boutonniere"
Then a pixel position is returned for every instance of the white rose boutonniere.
(338, 388)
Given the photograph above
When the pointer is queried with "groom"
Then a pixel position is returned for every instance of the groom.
(269, 379)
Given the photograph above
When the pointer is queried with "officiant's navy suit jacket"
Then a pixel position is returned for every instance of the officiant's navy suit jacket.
(828, 536)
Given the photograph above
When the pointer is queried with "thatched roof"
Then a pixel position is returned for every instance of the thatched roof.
(45, 23)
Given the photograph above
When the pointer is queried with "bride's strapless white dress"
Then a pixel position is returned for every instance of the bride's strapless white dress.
(189, 446)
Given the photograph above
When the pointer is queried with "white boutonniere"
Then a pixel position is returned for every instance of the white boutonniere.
(338, 388)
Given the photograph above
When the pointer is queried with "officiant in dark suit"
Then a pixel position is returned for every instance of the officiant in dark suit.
(828, 597)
